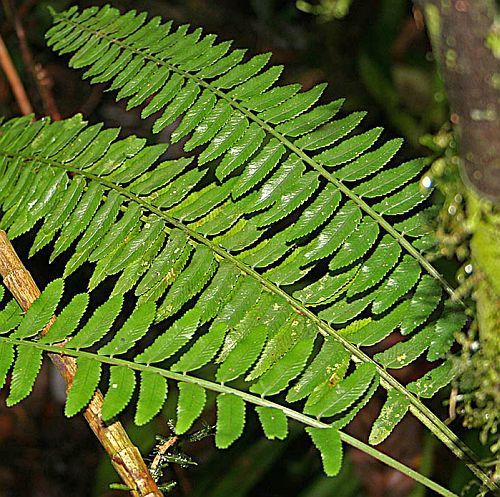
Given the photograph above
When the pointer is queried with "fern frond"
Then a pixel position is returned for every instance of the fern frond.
(219, 246)
(153, 388)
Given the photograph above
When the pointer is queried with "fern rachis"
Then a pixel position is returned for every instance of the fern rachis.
(211, 246)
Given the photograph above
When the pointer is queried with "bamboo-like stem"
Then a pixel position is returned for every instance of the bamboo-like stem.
(14, 80)
(125, 457)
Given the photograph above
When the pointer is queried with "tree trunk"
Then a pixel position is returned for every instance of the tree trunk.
(459, 30)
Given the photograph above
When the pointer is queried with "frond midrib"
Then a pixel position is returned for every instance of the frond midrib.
(405, 244)
(247, 397)
(425, 415)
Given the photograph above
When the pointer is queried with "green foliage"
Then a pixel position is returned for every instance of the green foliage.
(217, 248)
(329, 444)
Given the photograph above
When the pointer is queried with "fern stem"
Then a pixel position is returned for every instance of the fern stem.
(429, 419)
(253, 399)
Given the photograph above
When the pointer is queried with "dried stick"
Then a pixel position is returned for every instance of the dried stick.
(124, 456)
(42, 78)
(14, 80)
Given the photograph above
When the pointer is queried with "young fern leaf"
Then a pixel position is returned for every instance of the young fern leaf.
(217, 240)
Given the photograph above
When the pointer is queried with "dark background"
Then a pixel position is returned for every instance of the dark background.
(378, 57)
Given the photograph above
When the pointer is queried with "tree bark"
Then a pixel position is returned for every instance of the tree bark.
(458, 30)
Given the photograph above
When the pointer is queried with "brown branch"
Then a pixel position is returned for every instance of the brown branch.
(124, 456)
(162, 448)
(458, 30)
(25, 7)
(14, 81)
(40, 75)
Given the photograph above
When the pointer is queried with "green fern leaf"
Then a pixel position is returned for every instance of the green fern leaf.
(331, 359)
(133, 330)
(356, 245)
(67, 321)
(403, 353)
(278, 377)
(121, 388)
(241, 151)
(346, 309)
(452, 321)
(434, 380)
(393, 411)
(327, 441)
(326, 289)
(387, 181)
(98, 324)
(377, 330)
(98, 227)
(42, 200)
(259, 167)
(10, 317)
(152, 396)
(117, 233)
(403, 278)
(370, 162)
(79, 219)
(136, 246)
(278, 346)
(328, 401)
(230, 420)
(189, 283)
(305, 123)
(163, 262)
(190, 404)
(203, 350)
(26, 367)
(257, 84)
(245, 351)
(57, 217)
(6, 359)
(172, 340)
(274, 422)
(351, 414)
(88, 373)
(425, 299)
(330, 132)
(132, 273)
(349, 149)
(376, 267)
(403, 201)
(41, 311)
(219, 291)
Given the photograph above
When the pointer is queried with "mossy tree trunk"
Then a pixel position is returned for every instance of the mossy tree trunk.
(465, 36)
